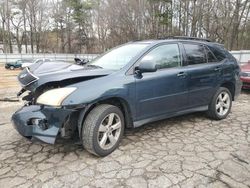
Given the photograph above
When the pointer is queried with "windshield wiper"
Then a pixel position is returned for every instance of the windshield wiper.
(95, 66)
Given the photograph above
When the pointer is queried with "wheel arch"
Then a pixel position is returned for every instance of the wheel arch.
(231, 87)
(116, 101)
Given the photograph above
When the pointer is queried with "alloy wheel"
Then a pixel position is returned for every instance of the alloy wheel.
(223, 103)
(109, 131)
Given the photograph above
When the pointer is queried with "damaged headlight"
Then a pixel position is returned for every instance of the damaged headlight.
(55, 97)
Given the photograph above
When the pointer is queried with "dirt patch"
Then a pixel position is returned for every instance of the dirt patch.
(8, 78)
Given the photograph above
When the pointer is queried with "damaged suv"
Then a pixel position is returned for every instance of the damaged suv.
(130, 85)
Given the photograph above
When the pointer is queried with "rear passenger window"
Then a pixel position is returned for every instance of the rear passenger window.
(210, 56)
(195, 54)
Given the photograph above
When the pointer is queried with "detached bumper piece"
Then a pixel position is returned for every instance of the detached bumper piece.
(40, 122)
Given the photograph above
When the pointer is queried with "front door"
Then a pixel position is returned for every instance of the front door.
(163, 91)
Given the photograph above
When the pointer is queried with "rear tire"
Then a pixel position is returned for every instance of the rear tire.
(12, 67)
(220, 105)
(103, 129)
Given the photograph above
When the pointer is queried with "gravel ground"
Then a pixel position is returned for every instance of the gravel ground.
(8, 78)
(186, 151)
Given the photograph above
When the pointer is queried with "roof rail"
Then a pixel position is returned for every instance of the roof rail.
(187, 38)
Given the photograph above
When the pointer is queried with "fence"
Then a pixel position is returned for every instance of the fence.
(66, 57)
(243, 56)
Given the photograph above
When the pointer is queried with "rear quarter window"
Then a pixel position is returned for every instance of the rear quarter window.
(221, 53)
(210, 56)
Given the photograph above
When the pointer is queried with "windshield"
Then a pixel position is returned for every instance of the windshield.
(117, 58)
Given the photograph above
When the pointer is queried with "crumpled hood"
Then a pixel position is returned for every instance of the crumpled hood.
(41, 73)
(53, 67)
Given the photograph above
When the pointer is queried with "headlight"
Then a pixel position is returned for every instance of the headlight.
(55, 97)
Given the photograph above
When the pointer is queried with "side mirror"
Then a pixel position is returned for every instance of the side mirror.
(146, 66)
(80, 61)
(77, 59)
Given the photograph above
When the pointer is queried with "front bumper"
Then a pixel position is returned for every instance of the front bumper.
(246, 82)
(48, 122)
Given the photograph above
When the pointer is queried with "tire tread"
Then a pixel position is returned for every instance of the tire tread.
(89, 126)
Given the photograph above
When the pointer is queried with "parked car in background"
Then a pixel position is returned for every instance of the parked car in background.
(126, 87)
(245, 75)
(17, 64)
(35, 61)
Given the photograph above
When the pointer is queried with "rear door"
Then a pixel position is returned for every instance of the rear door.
(163, 91)
(204, 71)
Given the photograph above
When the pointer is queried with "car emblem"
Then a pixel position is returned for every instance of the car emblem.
(23, 75)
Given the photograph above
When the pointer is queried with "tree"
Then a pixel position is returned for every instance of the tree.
(93, 26)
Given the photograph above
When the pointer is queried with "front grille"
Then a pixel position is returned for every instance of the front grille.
(246, 84)
(26, 77)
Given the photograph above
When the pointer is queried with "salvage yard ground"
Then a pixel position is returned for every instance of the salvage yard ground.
(8, 78)
(187, 151)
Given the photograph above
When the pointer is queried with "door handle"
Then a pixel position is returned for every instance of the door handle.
(181, 74)
(217, 69)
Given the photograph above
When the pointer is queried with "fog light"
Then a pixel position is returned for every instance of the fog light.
(35, 121)
(42, 123)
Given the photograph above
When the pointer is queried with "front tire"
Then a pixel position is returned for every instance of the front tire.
(103, 129)
(12, 67)
(221, 104)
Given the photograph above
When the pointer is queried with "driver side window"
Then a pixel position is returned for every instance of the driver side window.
(165, 56)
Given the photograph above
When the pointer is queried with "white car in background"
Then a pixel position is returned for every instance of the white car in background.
(24, 65)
